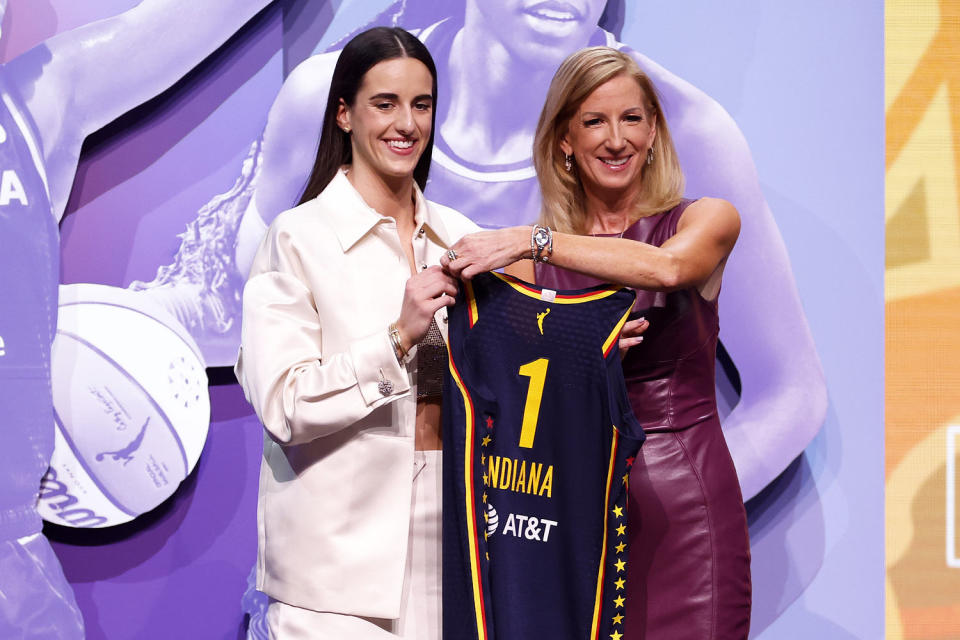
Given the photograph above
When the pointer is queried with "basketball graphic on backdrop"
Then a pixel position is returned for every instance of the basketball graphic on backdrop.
(130, 405)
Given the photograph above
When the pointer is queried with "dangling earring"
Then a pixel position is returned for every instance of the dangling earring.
(649, 156)
(567, 163)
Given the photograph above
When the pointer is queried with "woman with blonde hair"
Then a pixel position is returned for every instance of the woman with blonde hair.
(613, 211)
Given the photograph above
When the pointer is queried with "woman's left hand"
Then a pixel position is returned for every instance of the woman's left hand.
(487, 250)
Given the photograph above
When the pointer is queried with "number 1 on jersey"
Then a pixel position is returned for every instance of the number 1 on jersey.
(537, 372)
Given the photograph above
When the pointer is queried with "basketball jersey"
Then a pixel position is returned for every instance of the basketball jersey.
(538, 439)
(29, 274)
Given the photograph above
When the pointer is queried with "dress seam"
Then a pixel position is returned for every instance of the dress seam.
(706, 506)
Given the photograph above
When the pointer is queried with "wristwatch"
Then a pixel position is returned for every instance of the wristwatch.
(541, 240)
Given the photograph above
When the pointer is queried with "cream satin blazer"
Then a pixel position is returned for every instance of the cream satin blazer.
(318, 367)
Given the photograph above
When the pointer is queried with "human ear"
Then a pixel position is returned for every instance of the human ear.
(343, 116)
(565, 145)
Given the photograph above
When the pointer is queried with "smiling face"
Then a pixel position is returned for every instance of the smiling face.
(390, 119)
(609, 137)
(540, 31)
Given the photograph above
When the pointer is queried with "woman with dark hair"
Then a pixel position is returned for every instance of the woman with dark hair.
(613, 211)
(342, 356)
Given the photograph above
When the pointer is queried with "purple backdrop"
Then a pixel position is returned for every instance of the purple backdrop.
(182, 570)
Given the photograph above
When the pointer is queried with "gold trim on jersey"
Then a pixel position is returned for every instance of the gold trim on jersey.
(533, 291)
(615, 334)
(470, 515)
(598, 602)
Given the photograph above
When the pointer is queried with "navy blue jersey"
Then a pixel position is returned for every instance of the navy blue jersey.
(538, 439)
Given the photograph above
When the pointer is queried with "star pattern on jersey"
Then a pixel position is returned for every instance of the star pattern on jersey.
(485, 442)
(616, 584)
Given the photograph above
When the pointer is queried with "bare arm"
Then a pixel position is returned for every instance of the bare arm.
(706, 233)
(289, 149)
(80, 80)
(763, 327)
(762, 322)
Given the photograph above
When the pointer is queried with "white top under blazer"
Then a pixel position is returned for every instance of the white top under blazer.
(338, 410)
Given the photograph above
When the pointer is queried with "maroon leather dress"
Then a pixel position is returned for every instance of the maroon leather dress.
(688, 573)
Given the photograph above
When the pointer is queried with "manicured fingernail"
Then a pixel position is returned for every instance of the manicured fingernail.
(639, 339)
(641, 319)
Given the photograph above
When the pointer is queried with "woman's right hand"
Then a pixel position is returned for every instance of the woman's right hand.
(425, 293)
(487, 250)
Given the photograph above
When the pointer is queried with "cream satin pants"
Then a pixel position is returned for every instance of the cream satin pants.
(420, 605)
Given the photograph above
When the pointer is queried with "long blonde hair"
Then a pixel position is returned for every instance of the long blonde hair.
(562, 192)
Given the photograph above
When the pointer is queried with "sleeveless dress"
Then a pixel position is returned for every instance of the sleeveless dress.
(688, 573)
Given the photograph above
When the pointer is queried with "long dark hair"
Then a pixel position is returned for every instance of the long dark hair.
(360, 55)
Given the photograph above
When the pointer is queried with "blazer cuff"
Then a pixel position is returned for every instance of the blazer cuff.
(379, 375)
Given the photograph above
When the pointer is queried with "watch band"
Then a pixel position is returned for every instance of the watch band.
(541, 240)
